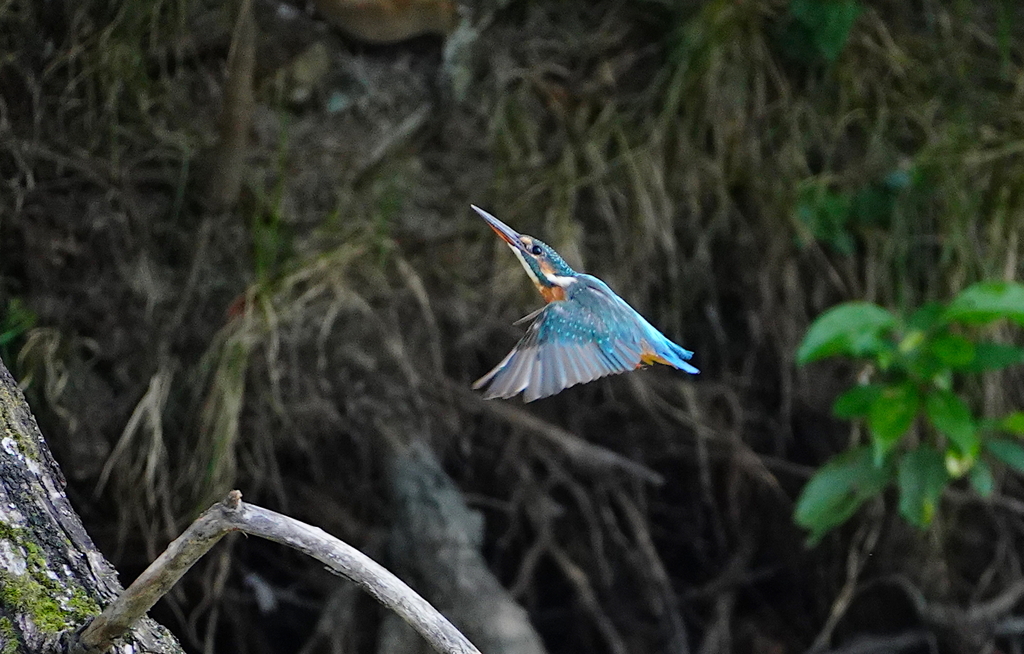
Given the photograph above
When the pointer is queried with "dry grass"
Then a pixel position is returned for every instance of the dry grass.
(341, 310)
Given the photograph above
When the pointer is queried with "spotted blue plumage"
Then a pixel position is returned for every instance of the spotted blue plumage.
(585, 332)
(591, 334)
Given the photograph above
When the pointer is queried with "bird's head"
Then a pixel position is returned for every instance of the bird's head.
(545, 267)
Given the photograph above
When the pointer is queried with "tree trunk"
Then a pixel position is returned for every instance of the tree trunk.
(52, 577)
(435, 545)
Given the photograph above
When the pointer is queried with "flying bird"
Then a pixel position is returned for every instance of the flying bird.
(585, 331)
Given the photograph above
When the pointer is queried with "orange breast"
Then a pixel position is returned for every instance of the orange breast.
(551, 293)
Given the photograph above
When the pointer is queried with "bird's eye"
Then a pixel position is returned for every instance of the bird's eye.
(536, 250)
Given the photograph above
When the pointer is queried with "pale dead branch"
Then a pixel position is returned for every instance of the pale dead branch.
(232, 514)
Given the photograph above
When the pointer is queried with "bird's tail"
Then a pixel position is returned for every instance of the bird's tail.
(676, 356)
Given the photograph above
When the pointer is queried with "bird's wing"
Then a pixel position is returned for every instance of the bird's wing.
(590, 334)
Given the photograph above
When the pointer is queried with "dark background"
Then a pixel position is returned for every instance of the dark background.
(731, 168)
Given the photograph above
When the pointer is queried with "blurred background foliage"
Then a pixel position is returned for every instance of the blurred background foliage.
(915, 370)
(731, 168)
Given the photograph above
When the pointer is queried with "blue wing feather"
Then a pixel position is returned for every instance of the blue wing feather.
(590, 334)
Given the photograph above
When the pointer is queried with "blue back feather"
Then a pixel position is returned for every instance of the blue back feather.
(592, 333)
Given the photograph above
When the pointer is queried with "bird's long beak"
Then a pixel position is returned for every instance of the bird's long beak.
(506, 233)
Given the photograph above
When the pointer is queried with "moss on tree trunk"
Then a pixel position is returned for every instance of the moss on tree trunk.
(52, 577)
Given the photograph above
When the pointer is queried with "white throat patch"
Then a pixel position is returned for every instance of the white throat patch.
(562, 281)
(559, 280)
(522, 260)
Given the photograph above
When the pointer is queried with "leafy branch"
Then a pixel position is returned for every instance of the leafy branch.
(923, 433)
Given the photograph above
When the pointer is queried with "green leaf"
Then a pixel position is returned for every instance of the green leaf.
(981, 479)
(825, 214)
(856, 402)
(8, 336)
(873, 205)
(993, 356)
(1008, 451)
(952, 349)
(867, 343)
(987, 425)
(891, 415)
(928, 315)
(921, 478)
(987, 301)
(838, 489)
(918, 359)
(911, 341)
(951, 416)
(852, 329)
(1013, 423)
(15, 320)
(829, 23)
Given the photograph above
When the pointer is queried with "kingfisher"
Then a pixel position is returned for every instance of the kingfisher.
(583, 332)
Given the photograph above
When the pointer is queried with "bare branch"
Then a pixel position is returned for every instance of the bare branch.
(233, 515)
(885, 644)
